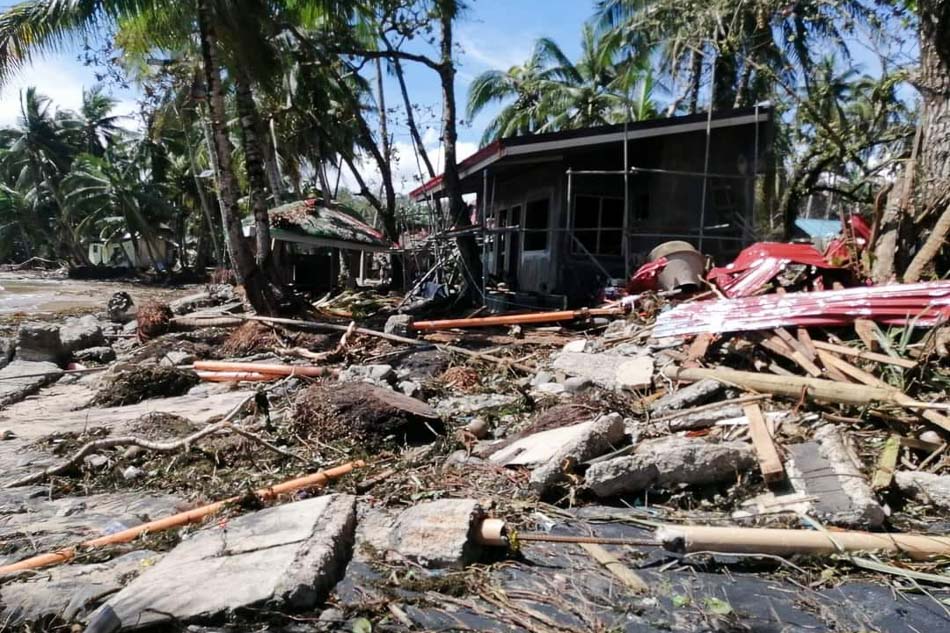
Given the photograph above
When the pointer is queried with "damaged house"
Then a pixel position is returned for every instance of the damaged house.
(562, 213)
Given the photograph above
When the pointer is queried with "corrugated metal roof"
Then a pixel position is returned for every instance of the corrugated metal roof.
(311, 218)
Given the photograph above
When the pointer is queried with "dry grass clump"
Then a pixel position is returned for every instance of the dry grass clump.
(250, 338)
(461, 378)
(154, 319)
(142, 383)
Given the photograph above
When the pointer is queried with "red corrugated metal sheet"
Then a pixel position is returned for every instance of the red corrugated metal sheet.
(926, 303)
(758, 264)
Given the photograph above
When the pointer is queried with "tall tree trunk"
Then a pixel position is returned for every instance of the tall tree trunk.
(390, 223)
(411, 119)
(253, 138)
(933, 82)
(274, 178)
(458, 211)
(256, 286)
(695, 80)
(202, 198)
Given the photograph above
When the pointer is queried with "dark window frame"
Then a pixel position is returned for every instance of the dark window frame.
(597, 228)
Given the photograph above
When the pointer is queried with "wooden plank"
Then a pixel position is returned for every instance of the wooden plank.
(887, 463)
(769, 461)
(805, 339)
(623, 573)
(844, 350)
(865, 330)
(830, 360)
(794, 343)
(698, 348)
(776, 344)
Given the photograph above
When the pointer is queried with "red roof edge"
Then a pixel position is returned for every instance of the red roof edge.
(489, 150)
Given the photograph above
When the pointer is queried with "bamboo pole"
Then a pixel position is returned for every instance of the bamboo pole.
(515, 319)
(780, 542)
(235, 376)
(66, 554)
(261, 368)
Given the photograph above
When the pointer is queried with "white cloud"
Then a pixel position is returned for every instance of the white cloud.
(62, 81)
(482, 51)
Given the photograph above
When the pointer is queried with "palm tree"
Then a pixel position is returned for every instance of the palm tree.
(94, 128)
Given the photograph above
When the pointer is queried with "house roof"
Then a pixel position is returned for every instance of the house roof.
(527, 145)
(315, 223)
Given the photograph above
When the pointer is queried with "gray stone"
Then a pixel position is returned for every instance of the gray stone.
(669, 462)
(925, 487)
(550, 388)
(7, 350)
(538, 448)
(930, 436)
(69, 591)
(101, 354)
(607, 370)
(688, 420)
(435, 534)
(472, 404)
(399, 324)
(542, 377)
(409, 387)
(827, 469)
(691, 395)
(39, 342)
(576, 347)
(132, 472)
(376, 374)
(175, 358)
(81, 333)
(288, 557)
(605, 434)
(96, 462)
(23, 378)
(577, 384)
(636, 373)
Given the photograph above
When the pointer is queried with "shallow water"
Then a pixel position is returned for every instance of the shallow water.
(23, 293)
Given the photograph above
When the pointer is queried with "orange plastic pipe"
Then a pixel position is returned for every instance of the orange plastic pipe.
(234, 376)
(182, 518)
(261, 368)
(516, 319)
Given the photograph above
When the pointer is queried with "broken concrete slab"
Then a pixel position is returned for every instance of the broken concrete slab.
(81, 333)
(375, 374)
(399, 324)
(23, 378)
(603, 435)
(925, 487)
(39, 342)
(607, 370)
(668, 462)
(435, 534)
(828, 470)
(69, 592)
(695, 394)
(472, 404)
(538, 448)
(689, 419)
(99, 354)
(7, 350)
(289, 556)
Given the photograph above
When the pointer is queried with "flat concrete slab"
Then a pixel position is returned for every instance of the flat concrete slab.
(19, 379)
(289, 556)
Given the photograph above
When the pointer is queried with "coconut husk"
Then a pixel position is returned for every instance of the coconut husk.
(153, 319)
(135, 385)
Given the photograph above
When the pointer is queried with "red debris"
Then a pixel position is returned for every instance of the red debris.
(758, 264)
(645, 279)
(923, 304)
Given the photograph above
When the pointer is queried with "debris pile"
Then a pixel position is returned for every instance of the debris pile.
(730, 455)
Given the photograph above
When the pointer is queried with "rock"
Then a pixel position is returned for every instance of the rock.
(82, 333)
(7, 434)
(399, 324)
(286, 557)
(99, 354)
(541, 378)
(176, 358)
(550, 388)
(435, 534)
(605, 434)
(7, 350)
(827, 469)
(96, 462)
(472, 404)
(931, 436)
(69, 591)
(132, 472)
(691, 395)
(132, 452)
(478, 427)
(130, 327)
(39, 342)
(701, 419)
(575, 347)
(577, 384)
(376, 374)
(668, 462)
(925, 487)
(538, 448)
(120, 308)
(409, 387)
(607, 370)
(636, 373)
(23, 378)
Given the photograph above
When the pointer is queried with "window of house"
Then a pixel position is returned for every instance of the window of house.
(598, 225)
(536, 217)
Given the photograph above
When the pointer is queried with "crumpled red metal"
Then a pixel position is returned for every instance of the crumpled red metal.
(758, 264)
(645, 278)
(858, 234)
(921, 304)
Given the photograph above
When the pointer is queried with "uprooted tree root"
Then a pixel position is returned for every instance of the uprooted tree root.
(153, 319)
(254, 337)
(142, 383)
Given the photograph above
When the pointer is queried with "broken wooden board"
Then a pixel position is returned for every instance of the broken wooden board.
(769, 461)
